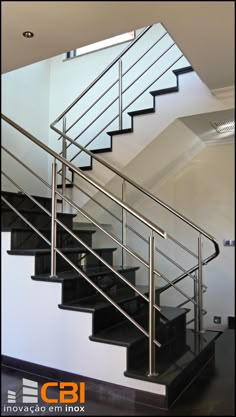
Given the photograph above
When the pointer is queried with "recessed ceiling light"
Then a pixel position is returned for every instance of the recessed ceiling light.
(28, 34)
(224, 126)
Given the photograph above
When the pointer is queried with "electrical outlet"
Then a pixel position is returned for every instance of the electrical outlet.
(217, 319)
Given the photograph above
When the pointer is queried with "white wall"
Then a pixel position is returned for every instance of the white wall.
(204, 192)
(25, 100)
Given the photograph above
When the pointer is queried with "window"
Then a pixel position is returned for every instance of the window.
(101, 45)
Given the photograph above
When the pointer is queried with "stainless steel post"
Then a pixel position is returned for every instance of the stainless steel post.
(196, 321)
(152, 325)
(54, 217)
(63, 166)
(120, 94)
(124, 219)
(200, 287)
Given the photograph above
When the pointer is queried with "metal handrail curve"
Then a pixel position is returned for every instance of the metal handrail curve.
(113, 84)
(81, 174)
(116, 240)
(148, 194)
(101, 75)
(111, 236)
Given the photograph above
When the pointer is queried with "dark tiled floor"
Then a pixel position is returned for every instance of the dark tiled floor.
(212, 395)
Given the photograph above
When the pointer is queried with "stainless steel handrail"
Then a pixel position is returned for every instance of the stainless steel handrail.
(81, 272)
(80, 173)
(102, 73)
(132, 253)
(186, 273)
(152, 196)
(116, 98)
(137, 233)
(113, 84)
(126, 107)
(25, 220)
(76, 237)
(89, 108)
(74, 205)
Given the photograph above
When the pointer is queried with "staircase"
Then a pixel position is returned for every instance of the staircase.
(163, 352)
(182, 354)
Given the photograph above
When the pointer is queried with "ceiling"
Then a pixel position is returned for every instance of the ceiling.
(203, 30)
(201, 125)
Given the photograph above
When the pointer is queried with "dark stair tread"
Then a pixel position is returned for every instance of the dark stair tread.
(142, 111)
(101, 150)
(86, 168)
(164, 91)
(120, 131)
(36, 211)
(11, 193)
(91, 271)
(125, 333)
(183, 70)
(41, 229)
(98, 302)
(122, 334)
(48, 251)
(168, 370)
(70, 185)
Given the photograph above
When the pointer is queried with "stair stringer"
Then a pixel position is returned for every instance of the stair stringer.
(192, 98)
(44, 334)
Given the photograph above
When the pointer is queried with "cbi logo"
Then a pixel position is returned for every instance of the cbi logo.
(69, 392)
(28, 392)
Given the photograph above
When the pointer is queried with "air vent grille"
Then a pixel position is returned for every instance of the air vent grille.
(224, 126)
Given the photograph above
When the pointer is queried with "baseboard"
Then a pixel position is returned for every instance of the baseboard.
(94, 387)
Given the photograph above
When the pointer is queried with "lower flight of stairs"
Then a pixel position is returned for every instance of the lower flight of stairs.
(182, 355)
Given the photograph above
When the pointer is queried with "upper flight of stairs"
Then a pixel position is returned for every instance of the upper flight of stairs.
(132, 114)
(181, 357)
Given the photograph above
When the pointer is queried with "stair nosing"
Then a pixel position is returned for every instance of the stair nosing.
(44, 251)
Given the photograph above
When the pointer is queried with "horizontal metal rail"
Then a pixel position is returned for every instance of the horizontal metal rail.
(108, 211)
(141, 260)
(145, 53)
(26, 167)
(93, 121)
(127, 106)
(92, 182)
(102, 74)
(27, 194)
(178, 279)
(105, 263)
(151, 196)
(73, 235)
(81, 272)
(171, 284)
(25, 220)
(187, 301)
(113, 84)
(115, 99)
(150, 66)
(47, 149)
(139, 235)
(153, 82)
(89, 108)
